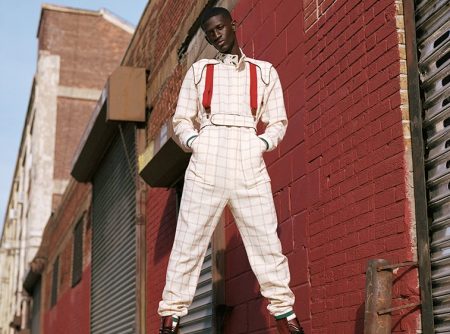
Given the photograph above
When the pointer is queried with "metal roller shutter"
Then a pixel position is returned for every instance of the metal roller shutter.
(113, 287)
(200, 316)
(433, 40)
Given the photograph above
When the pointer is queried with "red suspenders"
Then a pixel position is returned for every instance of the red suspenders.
(207, 94)
(253, 89)
(209, 80)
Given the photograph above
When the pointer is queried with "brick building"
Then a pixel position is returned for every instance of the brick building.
(77, 50)
(353, 180)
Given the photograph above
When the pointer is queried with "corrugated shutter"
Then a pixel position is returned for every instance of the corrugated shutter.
(200, 316)
(113, 287)
(433, 40)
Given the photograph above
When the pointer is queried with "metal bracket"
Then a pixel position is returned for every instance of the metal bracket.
(391, 267)
(398, 265)
(401, 307)
(379, 278)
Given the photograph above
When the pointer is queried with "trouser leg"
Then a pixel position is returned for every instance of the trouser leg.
(255, 216)
(200, 210)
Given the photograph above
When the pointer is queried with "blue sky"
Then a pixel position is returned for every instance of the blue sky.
(18, 53)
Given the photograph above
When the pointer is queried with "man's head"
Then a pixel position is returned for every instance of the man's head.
(220, 29)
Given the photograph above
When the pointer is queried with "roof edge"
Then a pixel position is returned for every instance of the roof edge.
(117, 20)
(103, 12)
(68, 9)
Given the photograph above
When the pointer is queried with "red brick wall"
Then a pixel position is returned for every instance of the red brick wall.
(90, 49)
(71, 118)
(339, 175)
(71, 314)
(161, 206)
(159, 37)
(89, 46)
(166, 103)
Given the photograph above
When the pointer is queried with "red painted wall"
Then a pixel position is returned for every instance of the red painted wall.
(338, 178)
(160, 231)
(71, 313)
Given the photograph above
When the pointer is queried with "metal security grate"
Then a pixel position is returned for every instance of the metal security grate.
(113, 287)
(433, 40)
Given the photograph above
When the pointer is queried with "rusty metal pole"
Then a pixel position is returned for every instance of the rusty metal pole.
(378, 297)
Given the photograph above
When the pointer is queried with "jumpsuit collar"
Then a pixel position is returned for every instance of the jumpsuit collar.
(229, 59)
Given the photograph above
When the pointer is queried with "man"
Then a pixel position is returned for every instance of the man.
(227, 96)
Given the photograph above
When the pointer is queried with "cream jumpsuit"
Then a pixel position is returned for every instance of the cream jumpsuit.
(227, 168)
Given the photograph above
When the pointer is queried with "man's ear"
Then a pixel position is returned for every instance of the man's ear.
(206, 37)
(233, 25)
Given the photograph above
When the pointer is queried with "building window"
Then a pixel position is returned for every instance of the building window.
(77, 257)
(54, 295)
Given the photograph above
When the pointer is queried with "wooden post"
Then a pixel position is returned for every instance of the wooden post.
(378, 297)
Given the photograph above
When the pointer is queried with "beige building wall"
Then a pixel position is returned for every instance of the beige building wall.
(31, 194)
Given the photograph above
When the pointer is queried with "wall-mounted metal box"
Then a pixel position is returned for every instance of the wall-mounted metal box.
(122, 100)
(126, 94)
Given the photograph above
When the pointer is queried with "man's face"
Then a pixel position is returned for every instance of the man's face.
(219, 31)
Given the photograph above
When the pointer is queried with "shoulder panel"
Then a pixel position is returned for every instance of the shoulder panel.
(199, 68)
(264, 68)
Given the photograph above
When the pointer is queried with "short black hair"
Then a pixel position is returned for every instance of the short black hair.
(214, 11)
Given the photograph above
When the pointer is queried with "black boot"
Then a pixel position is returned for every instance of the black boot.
(169, 325)
(292, 326)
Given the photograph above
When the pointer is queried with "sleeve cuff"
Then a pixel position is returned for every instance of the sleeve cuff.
(190, 140)
(267, 141)
(186, 137)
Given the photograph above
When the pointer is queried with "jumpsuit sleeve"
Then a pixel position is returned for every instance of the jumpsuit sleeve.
(274, 115)
(186, 111)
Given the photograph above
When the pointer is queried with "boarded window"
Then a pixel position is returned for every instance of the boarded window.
(77, 257)
(54, 295)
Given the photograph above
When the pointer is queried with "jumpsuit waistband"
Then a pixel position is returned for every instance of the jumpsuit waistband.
(229, 120)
